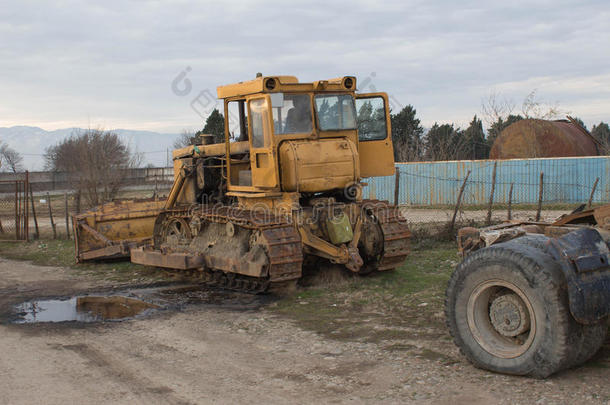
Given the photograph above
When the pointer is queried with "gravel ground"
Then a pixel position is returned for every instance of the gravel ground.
(204, 352)
(423, 215)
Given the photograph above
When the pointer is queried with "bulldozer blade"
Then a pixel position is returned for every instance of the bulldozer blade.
(111, 230)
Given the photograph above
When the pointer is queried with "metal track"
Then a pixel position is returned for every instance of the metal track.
(278, 237)
(396, 234)
(283, 246)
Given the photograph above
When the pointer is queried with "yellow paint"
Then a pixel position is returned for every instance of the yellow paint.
(295, 162)
(320, 165)
(282, 84)
(268, 171)
(280, 204)
(117, 222)
(377, 157)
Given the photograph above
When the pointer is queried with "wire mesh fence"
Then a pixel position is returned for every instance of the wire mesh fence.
(451, 194)
(7, 218)
(547, 181)
(14, 212)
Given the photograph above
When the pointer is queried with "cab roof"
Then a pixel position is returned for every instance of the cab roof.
(275, 84)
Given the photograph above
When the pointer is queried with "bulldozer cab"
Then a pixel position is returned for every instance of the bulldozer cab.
(308, 137)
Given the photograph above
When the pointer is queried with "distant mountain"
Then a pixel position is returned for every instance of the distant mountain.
(31, 143)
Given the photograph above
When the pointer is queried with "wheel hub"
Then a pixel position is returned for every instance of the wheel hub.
(501, 318)
(176, 231)
(509, 316)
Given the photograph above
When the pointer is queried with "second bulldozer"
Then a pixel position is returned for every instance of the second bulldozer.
(284, 187)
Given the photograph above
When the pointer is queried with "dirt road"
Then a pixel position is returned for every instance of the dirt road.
(206, 352)
(426, 215)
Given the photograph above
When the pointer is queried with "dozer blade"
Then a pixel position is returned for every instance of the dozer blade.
(176, 260)
(111, 230)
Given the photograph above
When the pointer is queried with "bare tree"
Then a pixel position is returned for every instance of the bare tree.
(496, 107)
(94, 161)
(497, 112)
(533, 107)
(10, 159)
(186, 138)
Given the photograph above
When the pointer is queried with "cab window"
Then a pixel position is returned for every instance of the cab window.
(237, 118)
(371, 119)
(335, 112)
(258, 108)
(292, 115)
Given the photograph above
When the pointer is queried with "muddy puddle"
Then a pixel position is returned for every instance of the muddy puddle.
(207, 296)
(81, 309)
(130, 304)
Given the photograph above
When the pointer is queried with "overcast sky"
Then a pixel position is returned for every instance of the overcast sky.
(112, 63)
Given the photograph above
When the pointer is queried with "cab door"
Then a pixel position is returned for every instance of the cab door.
(374, 135)
(262, 156)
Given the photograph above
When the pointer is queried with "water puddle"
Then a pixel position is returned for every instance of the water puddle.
(81, 309)
(134, 303)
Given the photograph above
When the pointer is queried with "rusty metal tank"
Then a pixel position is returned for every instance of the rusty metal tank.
(534, 138)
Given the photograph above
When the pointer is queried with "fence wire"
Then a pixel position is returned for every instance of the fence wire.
(7, 218)
(13, 213)
(564, 181)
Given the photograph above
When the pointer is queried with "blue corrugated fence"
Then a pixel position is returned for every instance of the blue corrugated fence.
(566, 180)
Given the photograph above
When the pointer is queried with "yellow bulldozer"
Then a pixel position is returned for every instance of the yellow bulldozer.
(285, 186)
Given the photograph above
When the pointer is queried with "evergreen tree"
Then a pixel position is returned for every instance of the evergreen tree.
(407, 135)
(365, 119)
(214, 125)
(601, 132)
(444, 142)
(475, 146)
(499, 126)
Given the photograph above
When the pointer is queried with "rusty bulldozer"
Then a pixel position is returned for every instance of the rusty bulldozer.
(285, 186)
(532, 298)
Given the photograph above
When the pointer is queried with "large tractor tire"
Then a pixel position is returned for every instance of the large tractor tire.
(589, 338)
(507, 310)
(593, 338)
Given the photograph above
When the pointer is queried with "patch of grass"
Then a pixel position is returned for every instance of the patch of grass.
(402, 304)
(42, 252)
(60, 253)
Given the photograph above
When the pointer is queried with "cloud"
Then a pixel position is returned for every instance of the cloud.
(70, 63)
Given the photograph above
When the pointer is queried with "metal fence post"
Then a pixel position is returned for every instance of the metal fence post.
(26, 218)
(592, 192)
(540, 193)
(396, 185)
(510, 202)
(459, 201)
(491, 195)
(36, 230)
(51, 216)
(67, 220)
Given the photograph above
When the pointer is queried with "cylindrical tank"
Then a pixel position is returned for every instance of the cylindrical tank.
(533, 138)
